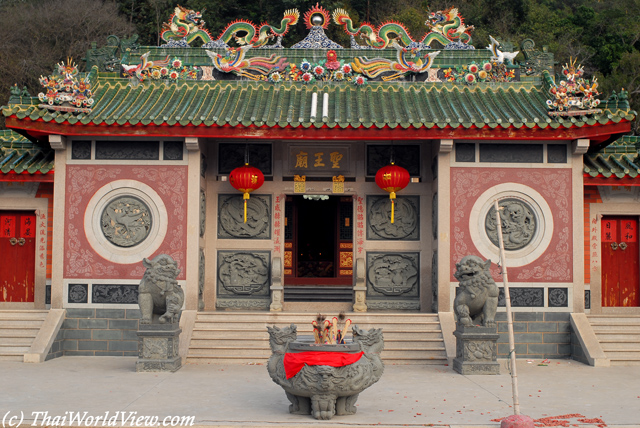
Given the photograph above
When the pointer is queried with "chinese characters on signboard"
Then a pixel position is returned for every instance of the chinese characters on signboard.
(325, 160)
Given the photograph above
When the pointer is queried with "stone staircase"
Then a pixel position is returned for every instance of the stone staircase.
(18, 329)
(619, 337)
(241, 337)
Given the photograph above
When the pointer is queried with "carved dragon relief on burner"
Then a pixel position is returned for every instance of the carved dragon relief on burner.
(321, 390)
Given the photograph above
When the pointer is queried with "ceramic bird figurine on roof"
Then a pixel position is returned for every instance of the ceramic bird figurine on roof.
(498, 55)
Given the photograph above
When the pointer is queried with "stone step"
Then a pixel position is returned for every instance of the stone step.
(20, 323)
(215, 345)
(307, 328)
(308, 316)
(261, 362)
(237, 334)
(614, 329)
(5, 314)
(610, 320)
(627, 362)
(21, 332)
(620, 344)
(241, 337)
(16, 341)
(618, 335)
(622, 354)
(11, 357)
(17, 349)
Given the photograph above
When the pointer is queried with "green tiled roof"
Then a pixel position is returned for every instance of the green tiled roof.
(248, 103)
(20, 156)
(618, 160)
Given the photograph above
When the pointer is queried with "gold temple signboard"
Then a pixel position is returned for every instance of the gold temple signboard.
(325, 160)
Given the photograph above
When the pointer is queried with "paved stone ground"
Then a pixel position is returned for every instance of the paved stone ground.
(244, 395)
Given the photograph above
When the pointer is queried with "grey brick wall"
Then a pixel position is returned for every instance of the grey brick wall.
(576, 349)
(98, 332)
(537, 335)
(56, 347)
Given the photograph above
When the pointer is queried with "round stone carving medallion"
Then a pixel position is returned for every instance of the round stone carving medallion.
(126, 221)
(518, 224)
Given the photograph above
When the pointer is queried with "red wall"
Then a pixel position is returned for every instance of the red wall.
(556, 263)
(82, 181)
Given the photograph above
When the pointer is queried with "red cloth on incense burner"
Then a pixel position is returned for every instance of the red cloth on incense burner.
(294, 362)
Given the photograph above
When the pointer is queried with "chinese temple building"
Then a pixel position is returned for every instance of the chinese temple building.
(381, 163)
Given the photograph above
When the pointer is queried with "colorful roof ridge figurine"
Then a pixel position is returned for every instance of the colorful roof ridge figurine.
(575, 96)
(64, 91)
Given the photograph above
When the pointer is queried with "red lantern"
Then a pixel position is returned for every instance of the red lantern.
(246, 179)
(392, 178)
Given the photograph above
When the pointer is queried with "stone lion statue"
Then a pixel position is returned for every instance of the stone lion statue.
(321, 390)
(159, 291)
(477, 300)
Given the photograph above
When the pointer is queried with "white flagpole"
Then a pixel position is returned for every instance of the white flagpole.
(507, 297)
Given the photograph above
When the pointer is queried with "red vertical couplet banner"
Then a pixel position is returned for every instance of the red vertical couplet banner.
(8, 226)
(609, 230)
(628, 232)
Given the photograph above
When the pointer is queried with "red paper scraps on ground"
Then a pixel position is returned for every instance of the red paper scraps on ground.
(563, 421)
(294, 362)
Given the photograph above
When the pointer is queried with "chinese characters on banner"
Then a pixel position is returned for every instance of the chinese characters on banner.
(277, 223)
(609, 232)
(360, 224)
(27, 227)
(595, 255)
(8, 226)
(628, 231)
(42, 241)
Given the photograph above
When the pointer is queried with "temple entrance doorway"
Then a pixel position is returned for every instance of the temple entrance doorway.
(318, 262)
(620, 272)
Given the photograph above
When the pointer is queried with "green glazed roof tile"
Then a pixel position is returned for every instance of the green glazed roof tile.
(18, 155)
(288, 104)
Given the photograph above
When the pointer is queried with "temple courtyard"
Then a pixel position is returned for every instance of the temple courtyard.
(554, 392)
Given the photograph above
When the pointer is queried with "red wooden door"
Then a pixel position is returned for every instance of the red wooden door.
(17, 256)
(620, 272)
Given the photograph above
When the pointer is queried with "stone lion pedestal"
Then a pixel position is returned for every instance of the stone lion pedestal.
(160, 299)
(476, 350)
(158, 348)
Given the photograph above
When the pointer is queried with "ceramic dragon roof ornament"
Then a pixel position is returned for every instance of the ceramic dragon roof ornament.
(186, 25)
(445, 27)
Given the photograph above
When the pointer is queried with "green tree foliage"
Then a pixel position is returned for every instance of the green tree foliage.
(35, 35)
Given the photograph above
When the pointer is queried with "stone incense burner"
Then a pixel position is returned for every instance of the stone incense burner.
(324, 380)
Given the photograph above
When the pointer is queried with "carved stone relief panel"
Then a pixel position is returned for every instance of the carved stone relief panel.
(203, 213)
(523, 297)
(201, 280)
(114, 293)
(434, 216)
(126, 221)
(127, 150)
(78, 293)
(173, 150)
(231, 217)
(243, 273)
(393, 275)
(518, 224)
(434, 282)
(81, 150)
(558, 297)
(406, 225)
